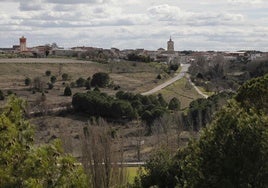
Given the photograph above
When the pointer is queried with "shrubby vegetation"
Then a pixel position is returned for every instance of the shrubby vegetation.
(217, 74)
(48, 73)
(67, 91)
(53, 79)
(99, 104)
(201, 111)
(27, 81)
(80, 82)
(100, 79)
(125, 106)
(24, 165)
(231, 152)
(65, 76)
(2, 96)
(140, 58)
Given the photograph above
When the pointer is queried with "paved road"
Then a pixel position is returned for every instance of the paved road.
(183, 71)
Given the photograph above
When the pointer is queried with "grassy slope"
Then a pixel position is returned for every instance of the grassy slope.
(181, 89)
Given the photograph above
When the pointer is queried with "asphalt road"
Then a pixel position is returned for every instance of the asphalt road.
(180, 75)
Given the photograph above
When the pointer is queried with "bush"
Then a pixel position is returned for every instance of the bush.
(67, 91)
(100, 79)
(48, 73)
(174, 67)
(88, 85)
(116, 87)
(174, 104)
(9, 92)
(64, 76)
(80, 82)
(27, 81)
(53, 79)
(2, 96)
(159, 77)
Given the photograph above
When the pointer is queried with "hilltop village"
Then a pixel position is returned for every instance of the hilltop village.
(168, 55)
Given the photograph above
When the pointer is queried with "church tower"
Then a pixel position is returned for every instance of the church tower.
(23, 47)
(170, 45)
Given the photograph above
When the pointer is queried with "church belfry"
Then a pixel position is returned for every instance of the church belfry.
(170, 45)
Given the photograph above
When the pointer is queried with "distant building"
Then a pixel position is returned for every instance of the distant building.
(170, 45)
(23, 47)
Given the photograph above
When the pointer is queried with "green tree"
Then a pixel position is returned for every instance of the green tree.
(2, 96)
(254, 94)
(88, 85)
(161, 100)
(100, 79)
(24, 165)
(53, 79)
(232, 151)
(48, 73)
(27, 81)
(174, 104)
(67, 91)
(80, 82)
(64, 76)
(158, 170)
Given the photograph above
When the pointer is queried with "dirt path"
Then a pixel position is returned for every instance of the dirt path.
(180, 75)
(196, 88)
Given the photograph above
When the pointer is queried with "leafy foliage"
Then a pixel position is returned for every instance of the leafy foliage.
(67, 91)
(53, 79)
(95, 103)
(174, 104)
(65, 76)
(201, 111)
(80, 82)
(48, 73)
(100, 79)
(22, 164)
(254, 93)
(2, 96)
(231, 152)
(27, 81)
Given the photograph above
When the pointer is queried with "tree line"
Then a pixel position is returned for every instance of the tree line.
(124, 105)
(232, 150)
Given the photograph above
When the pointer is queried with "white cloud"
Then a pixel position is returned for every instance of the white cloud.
(246, 1)
(137, 24)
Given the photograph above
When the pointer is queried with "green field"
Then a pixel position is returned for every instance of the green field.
(181, 89)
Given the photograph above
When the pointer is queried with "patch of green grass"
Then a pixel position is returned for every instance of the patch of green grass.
(181, 89)
(209, 93)
(133, 172)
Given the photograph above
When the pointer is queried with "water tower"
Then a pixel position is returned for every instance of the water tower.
(23, 44)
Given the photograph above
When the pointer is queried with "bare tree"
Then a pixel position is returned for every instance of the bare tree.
(102, 157)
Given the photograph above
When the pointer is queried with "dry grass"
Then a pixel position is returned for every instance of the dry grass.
(131, 76)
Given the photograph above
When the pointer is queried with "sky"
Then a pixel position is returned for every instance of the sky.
(199, 25)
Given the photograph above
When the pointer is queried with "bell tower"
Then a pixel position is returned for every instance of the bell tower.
(170, 45)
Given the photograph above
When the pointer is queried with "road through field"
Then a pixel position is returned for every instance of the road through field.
(181, 74)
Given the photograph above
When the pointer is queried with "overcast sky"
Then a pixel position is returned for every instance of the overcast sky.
(192, 24)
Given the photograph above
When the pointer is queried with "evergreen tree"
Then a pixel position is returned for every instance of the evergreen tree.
(24, 165)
